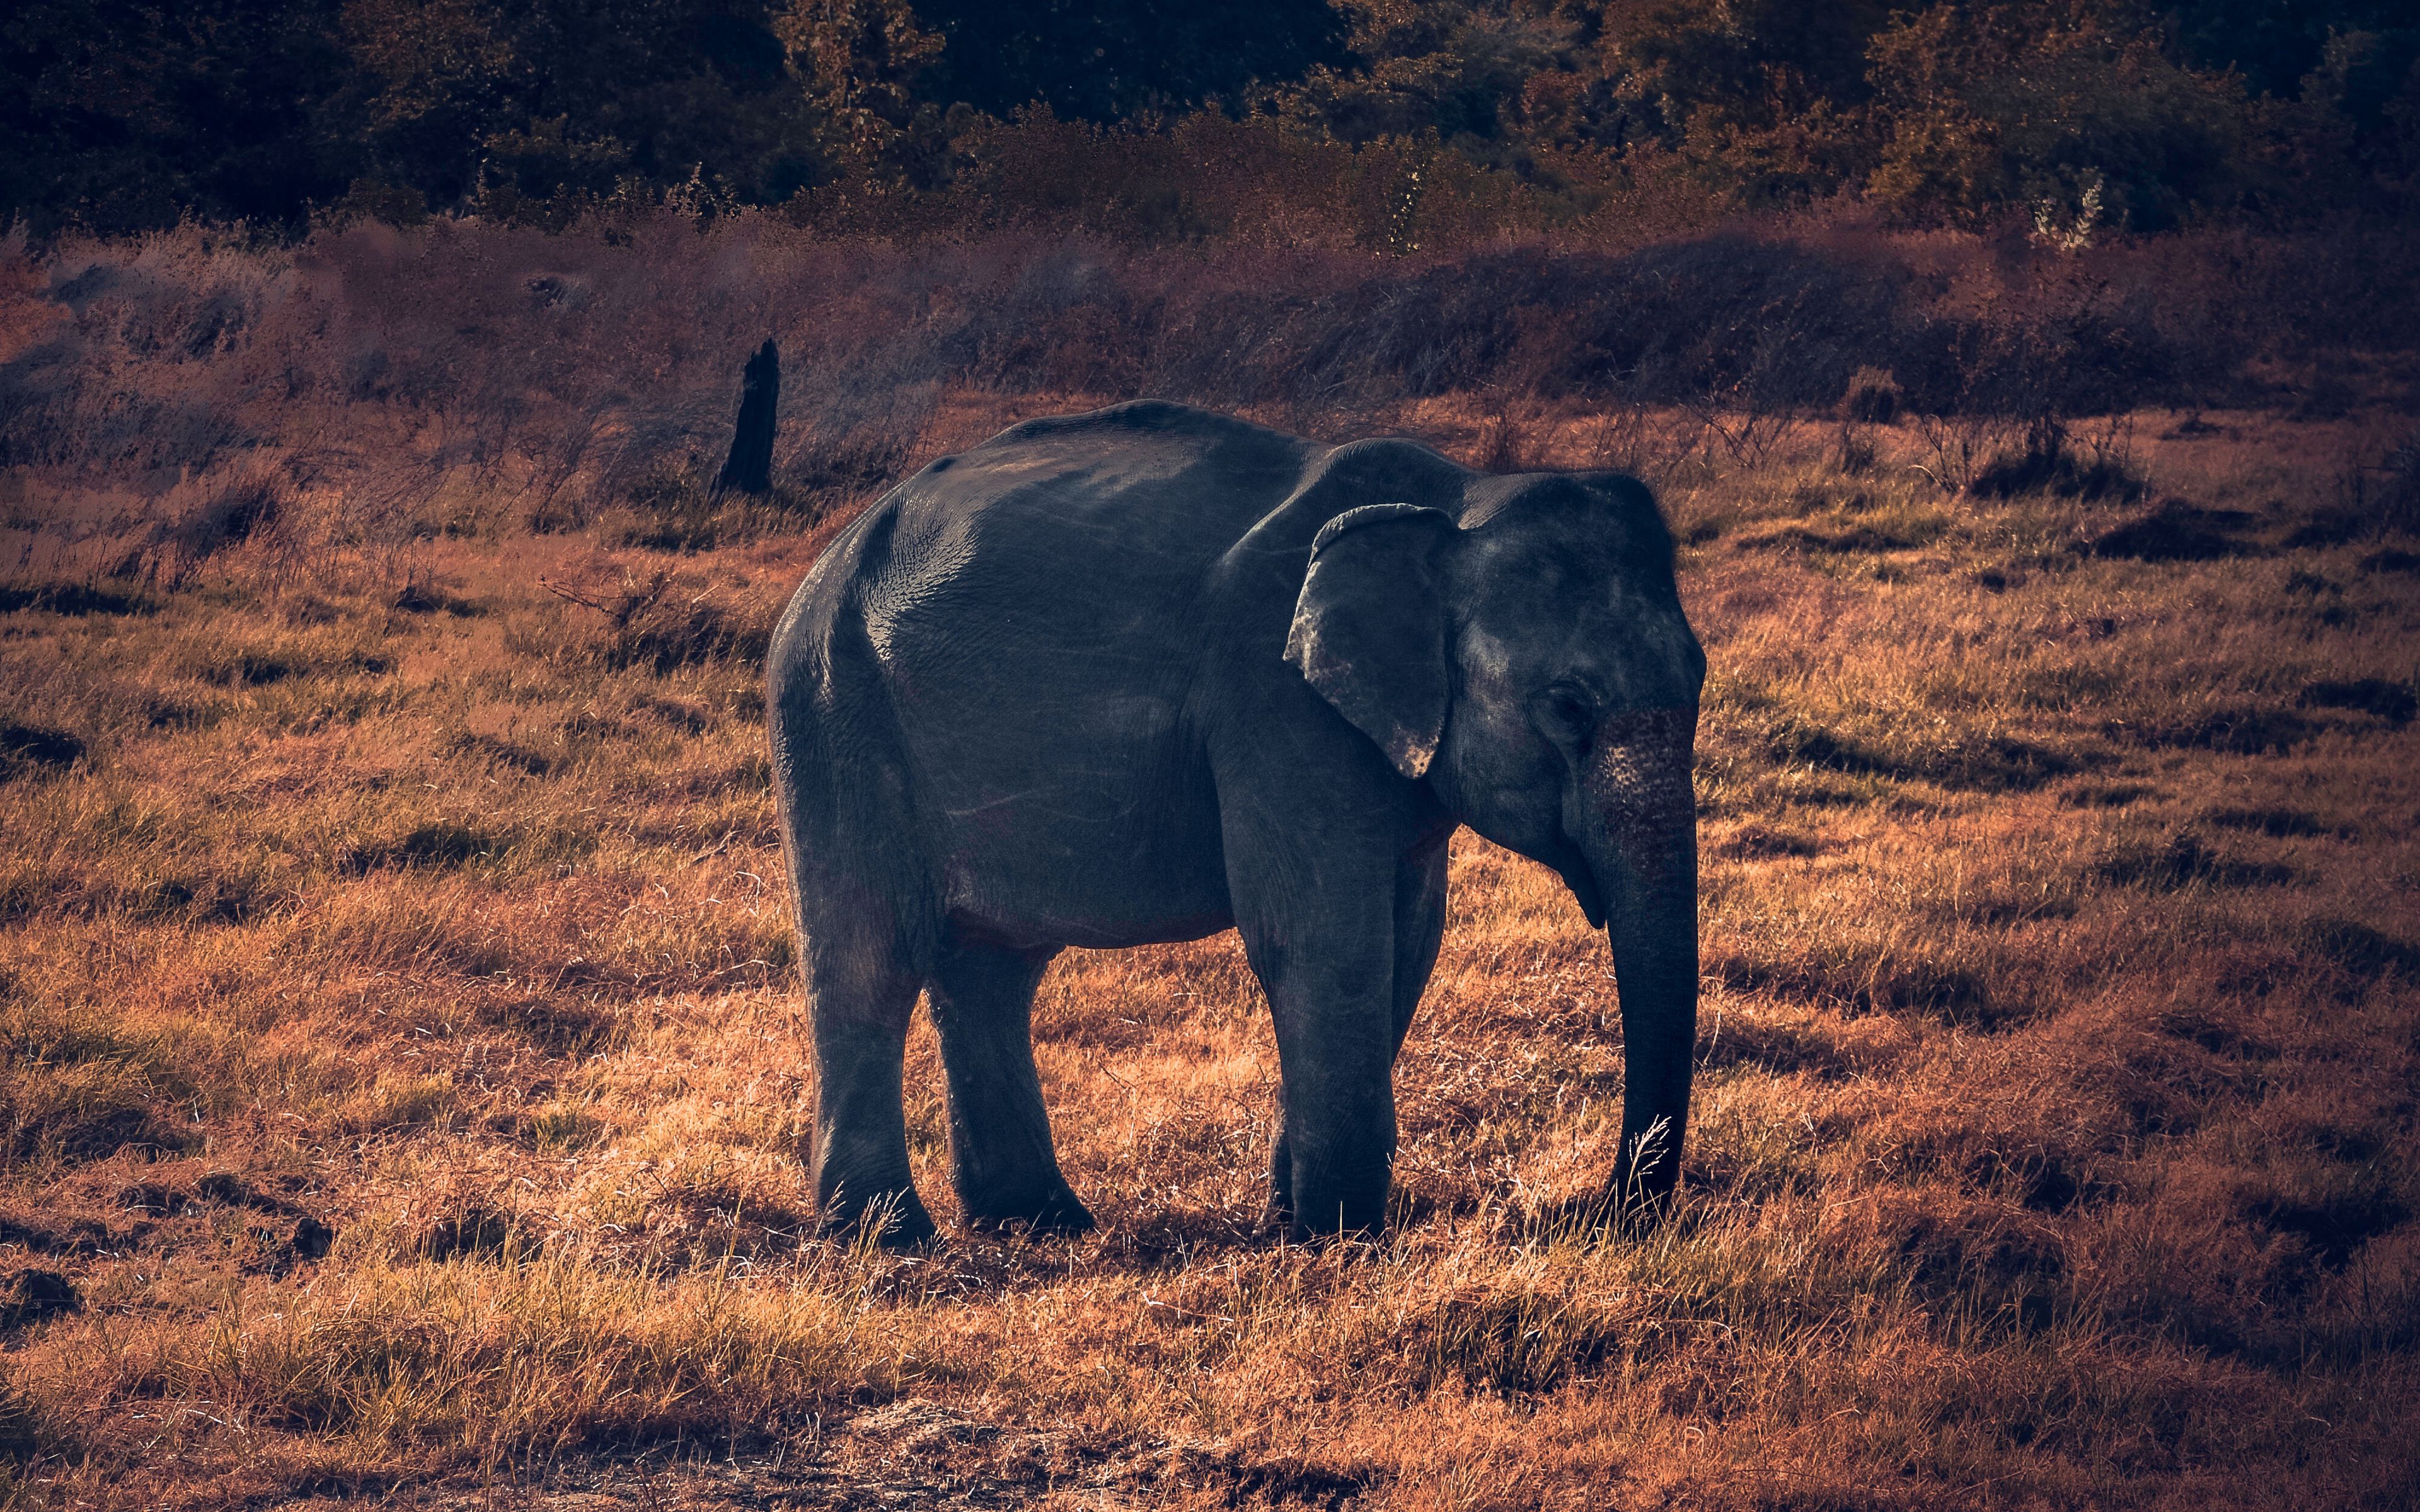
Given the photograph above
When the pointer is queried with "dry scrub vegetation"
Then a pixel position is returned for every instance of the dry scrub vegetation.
(404, 1068)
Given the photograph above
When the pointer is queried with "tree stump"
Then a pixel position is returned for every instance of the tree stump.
(749, 468)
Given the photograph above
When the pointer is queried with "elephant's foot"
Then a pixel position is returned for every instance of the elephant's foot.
(1318, 1202)
(1632, 1203)
(1349, 1220)
(1055, 1211)
(895, 1221)
(1319, 1236)
(1333, 1212)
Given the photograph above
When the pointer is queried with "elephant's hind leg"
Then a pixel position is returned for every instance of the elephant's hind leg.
(1000, 1155)
(862, 1003)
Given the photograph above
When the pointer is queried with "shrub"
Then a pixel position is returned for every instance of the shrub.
(1873, 397)
(2049, 462)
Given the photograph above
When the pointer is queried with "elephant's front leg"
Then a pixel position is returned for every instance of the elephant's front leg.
(1419, 927)
(1325, 958)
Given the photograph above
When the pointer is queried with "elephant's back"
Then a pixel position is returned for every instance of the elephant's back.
(1075, 535)
(1129, 505)
(1145, 487)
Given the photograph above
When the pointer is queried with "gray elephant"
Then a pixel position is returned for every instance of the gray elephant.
(1152, 672)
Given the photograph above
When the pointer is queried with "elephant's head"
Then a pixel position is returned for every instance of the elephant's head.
(1532, 664)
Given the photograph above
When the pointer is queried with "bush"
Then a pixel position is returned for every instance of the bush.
(2049, 462)
(1873, 397)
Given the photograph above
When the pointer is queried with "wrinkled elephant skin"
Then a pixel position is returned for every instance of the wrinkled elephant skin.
(1150, 673)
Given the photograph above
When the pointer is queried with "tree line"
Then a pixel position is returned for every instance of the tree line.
(2079, 115)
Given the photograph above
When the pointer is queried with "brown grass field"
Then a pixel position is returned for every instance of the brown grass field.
(405, 1070)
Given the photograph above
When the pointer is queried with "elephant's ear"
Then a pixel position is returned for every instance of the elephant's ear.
(1369, 628)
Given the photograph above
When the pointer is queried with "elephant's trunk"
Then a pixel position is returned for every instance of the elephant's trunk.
(1640, 837)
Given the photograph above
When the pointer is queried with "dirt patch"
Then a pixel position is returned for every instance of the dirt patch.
(440, 844)
(80, 1123)
(2367, 953)
(55, 1235)
(474, 1232)
(2107, 794)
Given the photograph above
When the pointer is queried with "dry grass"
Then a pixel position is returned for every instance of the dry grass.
(404, 1069)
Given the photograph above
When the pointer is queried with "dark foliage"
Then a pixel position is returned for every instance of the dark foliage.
(2277, 44)
(123, 115)
(1116, 59)
(2078, 117)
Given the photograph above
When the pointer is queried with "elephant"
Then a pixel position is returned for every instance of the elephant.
(1152, 672)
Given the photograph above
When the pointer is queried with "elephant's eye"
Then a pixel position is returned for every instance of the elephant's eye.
(1566, 714)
